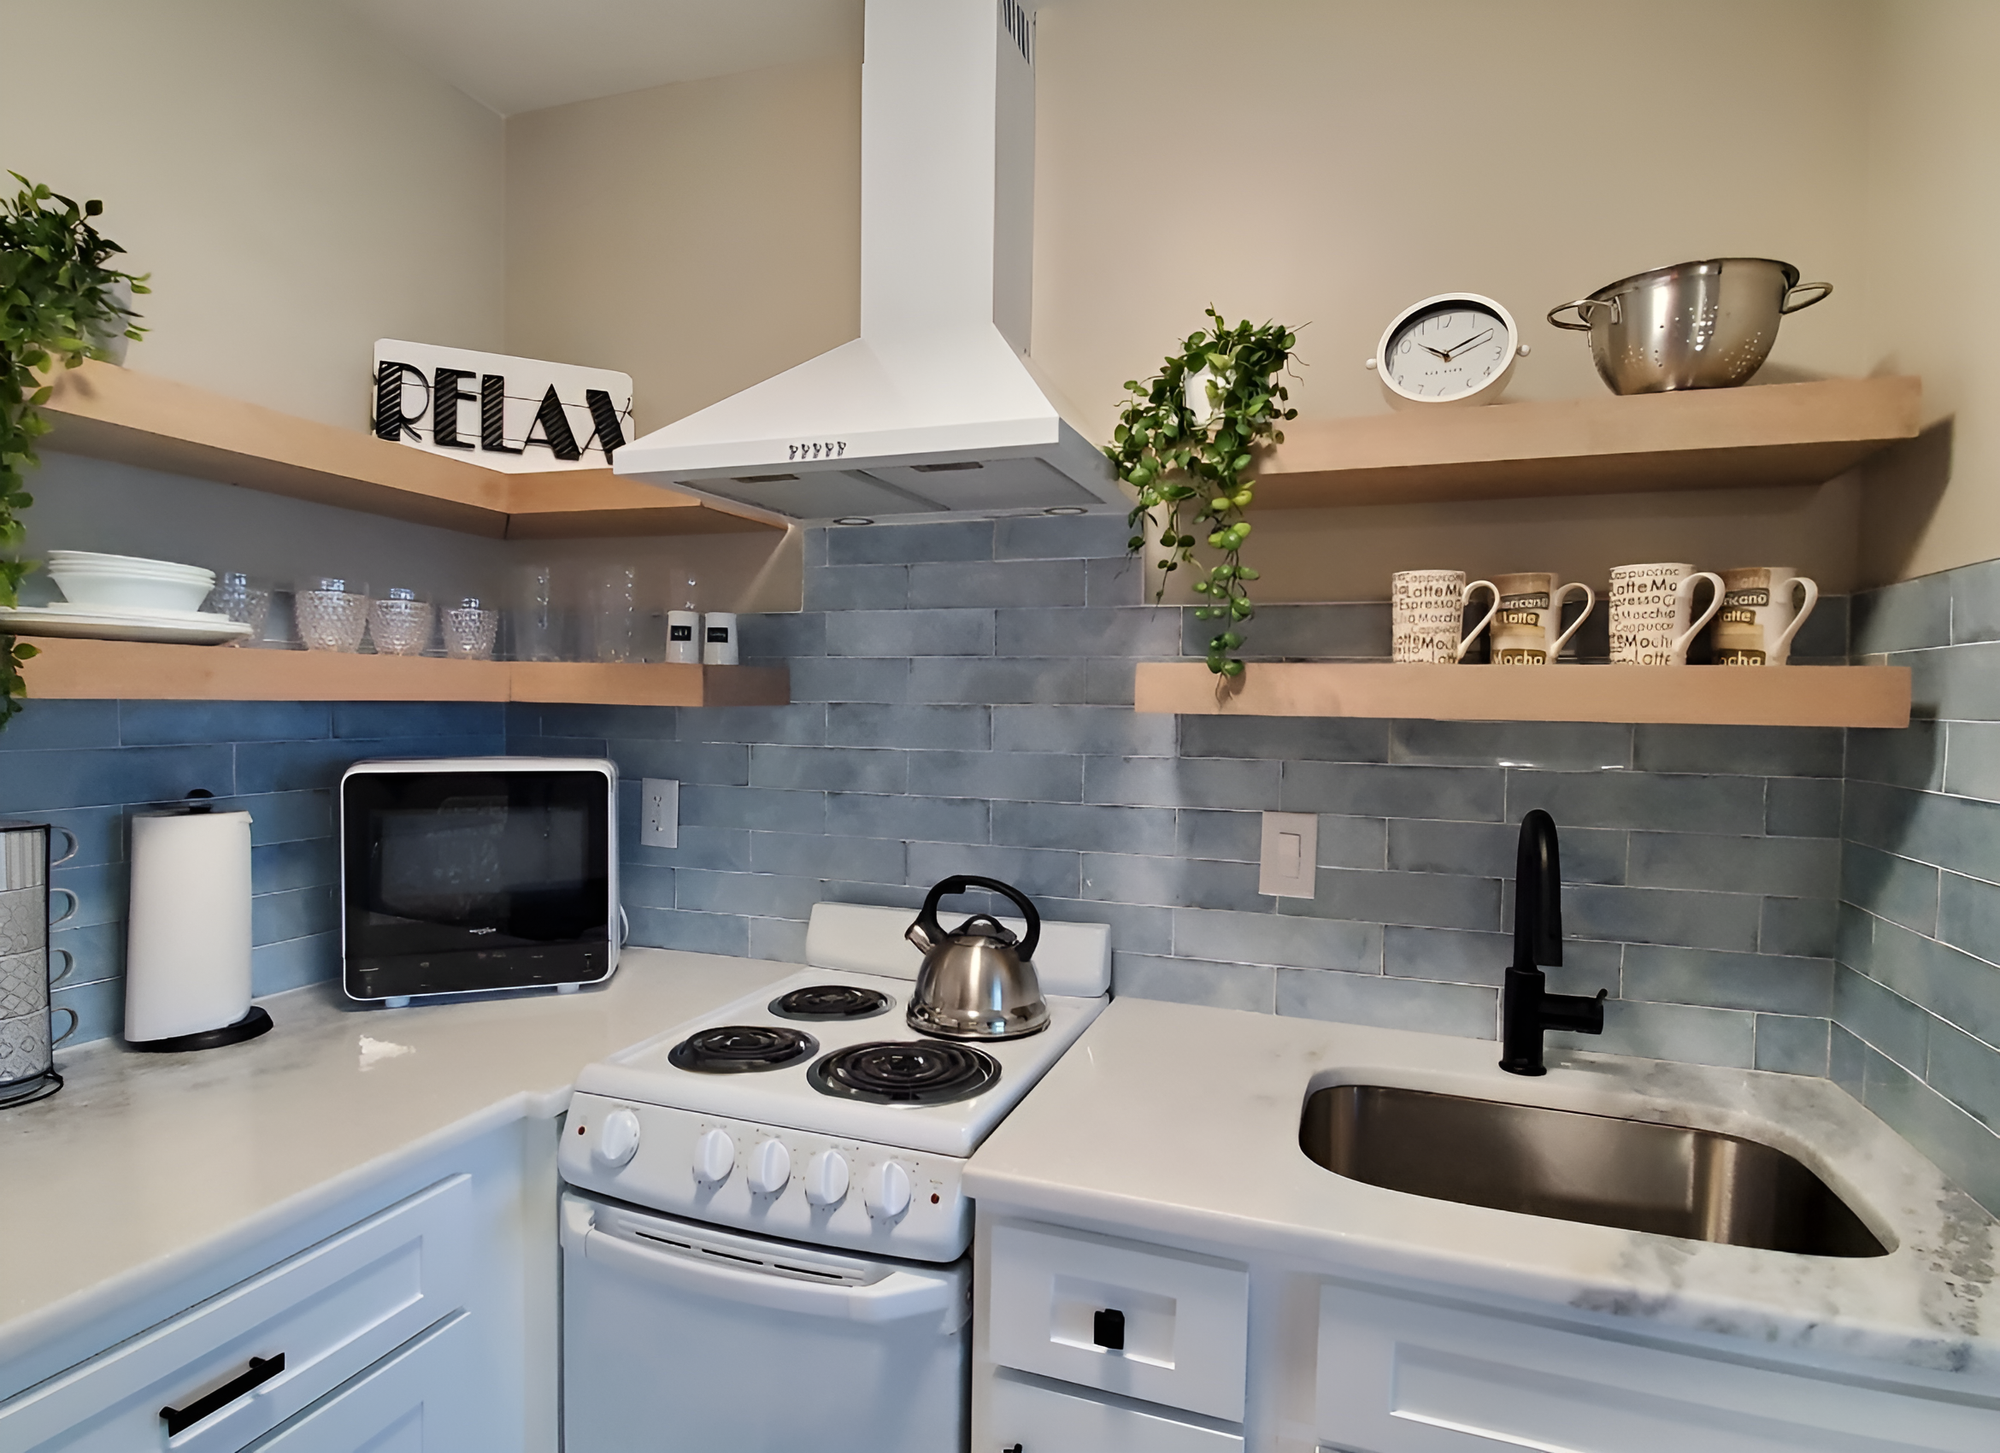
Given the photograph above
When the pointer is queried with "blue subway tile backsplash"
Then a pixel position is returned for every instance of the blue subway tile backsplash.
(1807, 901)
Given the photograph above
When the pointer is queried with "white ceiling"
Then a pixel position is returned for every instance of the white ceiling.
(522, 55)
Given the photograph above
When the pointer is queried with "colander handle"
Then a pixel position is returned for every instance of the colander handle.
(927, 919)
(1583, 307)
(1820, 293)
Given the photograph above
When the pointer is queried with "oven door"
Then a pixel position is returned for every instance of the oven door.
(682, 1336)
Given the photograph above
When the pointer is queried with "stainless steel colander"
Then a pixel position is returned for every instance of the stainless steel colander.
(1694, 325)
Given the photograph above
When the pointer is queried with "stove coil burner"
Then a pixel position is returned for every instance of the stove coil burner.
(831, 1001)
(736, 1049)
(905, 1072)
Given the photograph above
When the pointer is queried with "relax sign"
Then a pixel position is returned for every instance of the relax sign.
(515, 414)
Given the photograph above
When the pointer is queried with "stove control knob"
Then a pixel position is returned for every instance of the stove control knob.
(770, 1168)
(618, 1137)
(826, 1178)
(714, 1156)
(889, 1191)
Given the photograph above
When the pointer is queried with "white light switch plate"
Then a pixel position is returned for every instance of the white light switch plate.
(659, 813)
(1291, 847)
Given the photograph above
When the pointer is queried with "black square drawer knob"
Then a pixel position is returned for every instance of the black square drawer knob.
(1107, 1329)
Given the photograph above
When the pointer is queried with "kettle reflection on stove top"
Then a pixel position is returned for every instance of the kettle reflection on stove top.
(978, 981)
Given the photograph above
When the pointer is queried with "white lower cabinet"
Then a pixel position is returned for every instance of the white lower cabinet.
(1030, 1418)
(1399, 1375)
(224, 1373)
(419, 1400)
(1144, 1322)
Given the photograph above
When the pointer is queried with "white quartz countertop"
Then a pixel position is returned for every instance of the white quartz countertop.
(143, 1160)
(1182, 1123)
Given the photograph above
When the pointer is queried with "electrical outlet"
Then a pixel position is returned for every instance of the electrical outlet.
(659, 813)
(1291, 851)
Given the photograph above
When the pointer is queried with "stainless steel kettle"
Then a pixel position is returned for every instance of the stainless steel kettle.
(978, 981)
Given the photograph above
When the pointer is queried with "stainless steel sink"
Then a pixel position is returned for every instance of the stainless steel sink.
(1632, 1174)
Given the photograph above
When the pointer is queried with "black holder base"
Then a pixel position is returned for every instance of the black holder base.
(26, 1092)
(251, 1025)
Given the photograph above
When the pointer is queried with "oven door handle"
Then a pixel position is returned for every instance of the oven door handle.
(895, 1298)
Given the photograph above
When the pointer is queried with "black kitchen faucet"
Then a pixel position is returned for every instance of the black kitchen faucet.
(1526, 1006)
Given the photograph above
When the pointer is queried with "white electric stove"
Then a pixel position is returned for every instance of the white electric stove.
(769, 1196)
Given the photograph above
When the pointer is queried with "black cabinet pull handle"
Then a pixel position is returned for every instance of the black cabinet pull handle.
(1016, 1448)
(262, 1370)
(1107, 1329)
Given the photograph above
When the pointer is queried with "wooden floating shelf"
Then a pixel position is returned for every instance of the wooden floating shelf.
(113, 413)
(138, 671)
(1832, 696)
(1718, 438)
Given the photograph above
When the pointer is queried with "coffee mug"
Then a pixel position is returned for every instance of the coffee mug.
(1427, 608)
(1652, 608)
(1757, 622)
(1528, 629)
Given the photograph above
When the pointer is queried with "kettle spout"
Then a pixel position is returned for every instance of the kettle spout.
(916, 934)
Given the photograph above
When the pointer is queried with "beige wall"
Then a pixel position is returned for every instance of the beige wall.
(1934, 195)
(1531, 151)
(294, 187)
(700, 236)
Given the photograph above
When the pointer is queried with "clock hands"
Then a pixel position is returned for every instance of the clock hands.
(1460, 348)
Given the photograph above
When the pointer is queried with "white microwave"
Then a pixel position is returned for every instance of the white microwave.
(469, 875)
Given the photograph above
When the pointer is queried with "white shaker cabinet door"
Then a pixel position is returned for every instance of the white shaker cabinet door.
(423, 1399)
(1408, 1376)
(1037, 1419)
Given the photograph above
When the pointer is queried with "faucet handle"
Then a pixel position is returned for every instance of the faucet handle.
(1575, 1012)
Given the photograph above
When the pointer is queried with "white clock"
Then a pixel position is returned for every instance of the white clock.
(1455, 348)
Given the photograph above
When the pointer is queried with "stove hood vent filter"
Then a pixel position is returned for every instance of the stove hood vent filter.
(935, 408)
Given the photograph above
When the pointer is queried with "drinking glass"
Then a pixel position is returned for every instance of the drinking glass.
(470, 629)
(614, 598)
(400, 624)
(332, 613)
(238, 597)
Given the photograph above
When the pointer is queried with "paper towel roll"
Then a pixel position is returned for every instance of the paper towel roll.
(187, 954)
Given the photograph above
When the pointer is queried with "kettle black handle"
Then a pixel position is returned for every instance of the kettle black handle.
(927, 920)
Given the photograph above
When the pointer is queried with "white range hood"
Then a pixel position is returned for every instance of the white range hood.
(935, 408)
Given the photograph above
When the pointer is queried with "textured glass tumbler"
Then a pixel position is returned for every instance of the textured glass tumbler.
(247, 604)
(537, 628)
(331, 616)
(400, 625)
(470, 630)
(614, 602)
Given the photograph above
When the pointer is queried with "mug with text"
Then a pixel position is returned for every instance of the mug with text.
(1757, 622)
(1652, 612)
(1427, 610)
(1527, 630)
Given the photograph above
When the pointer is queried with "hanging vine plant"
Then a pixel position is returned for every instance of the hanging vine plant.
(59, 304)
(1186, 443)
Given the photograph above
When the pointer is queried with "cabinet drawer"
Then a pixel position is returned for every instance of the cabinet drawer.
(1398, 1376)
(330, 1311)
(1185, 1318)
(1042, 1420)
(418, 1400)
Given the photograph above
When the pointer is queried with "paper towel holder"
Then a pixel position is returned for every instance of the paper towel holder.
(201, 802)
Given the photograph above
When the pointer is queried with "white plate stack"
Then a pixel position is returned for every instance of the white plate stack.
(125, 598)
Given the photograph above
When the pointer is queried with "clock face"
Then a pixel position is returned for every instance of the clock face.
(1448, 351)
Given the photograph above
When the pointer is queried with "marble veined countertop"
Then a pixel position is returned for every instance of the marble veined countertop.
(1177, 1123)
(142, 1162)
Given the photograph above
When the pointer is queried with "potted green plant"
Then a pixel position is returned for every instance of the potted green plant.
(1186, 444)
(59, 304)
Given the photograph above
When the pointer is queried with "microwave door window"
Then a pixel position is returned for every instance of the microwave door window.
(520, 864)
(442, 865)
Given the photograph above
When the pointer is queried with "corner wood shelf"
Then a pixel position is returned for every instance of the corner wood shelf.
(1826, 696)
(1720, 438)
(136, 671)
(113, 413)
